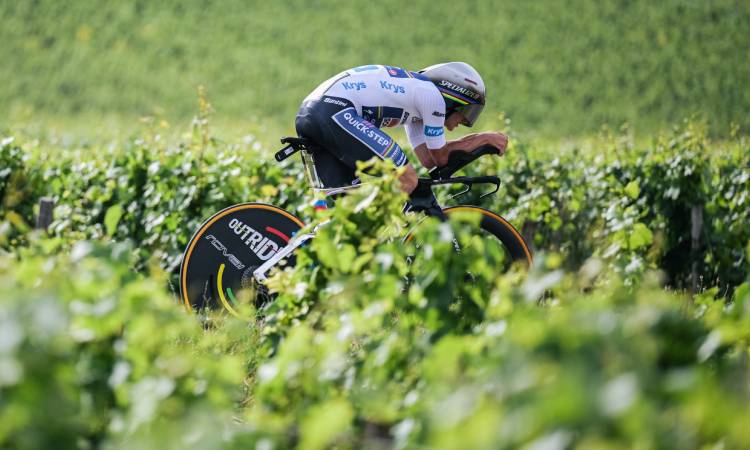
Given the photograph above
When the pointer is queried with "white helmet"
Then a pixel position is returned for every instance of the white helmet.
(462, 88)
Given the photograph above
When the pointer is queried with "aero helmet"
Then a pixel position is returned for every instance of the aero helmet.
(462, 88)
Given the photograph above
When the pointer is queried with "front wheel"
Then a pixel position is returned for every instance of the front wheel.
(507, 234)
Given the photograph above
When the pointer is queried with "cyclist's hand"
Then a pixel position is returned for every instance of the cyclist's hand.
(497, 140)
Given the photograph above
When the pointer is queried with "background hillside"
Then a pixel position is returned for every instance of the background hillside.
(557, 68)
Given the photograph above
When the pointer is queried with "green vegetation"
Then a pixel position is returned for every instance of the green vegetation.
(632, 330)
(556, 68)
(613, 200)
(361, 347)
(351, 355)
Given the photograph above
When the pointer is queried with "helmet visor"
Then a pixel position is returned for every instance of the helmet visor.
(470, 112)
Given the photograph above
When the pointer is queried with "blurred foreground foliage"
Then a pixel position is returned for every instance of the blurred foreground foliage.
(371, 343)
(364, 349)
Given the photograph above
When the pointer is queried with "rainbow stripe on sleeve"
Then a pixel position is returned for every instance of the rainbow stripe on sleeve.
(387, 153)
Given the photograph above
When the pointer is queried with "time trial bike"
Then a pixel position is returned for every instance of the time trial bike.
(236, 248)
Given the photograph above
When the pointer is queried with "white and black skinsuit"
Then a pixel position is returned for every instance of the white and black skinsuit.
(345, 115)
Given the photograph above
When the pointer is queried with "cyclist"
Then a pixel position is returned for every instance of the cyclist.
(345, 114)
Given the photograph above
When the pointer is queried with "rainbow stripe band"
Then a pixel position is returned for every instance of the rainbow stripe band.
(458, 98)
(278, 233)
(395, 154)
(389, 150)
(231, 296)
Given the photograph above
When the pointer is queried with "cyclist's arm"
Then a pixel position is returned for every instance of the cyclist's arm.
(427, 136)
(439, 157)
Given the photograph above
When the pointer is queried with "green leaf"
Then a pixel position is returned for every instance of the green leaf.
(640, 237)
(17, 221)
(112, 218)
(326, 251)
(324, 422)
(632, 189)
(346, 257)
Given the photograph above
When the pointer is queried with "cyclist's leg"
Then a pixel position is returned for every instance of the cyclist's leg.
(332, 172)
(334, 124)
(356, 139)
(329, 169)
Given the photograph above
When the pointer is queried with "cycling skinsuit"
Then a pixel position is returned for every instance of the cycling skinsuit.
(345, 114)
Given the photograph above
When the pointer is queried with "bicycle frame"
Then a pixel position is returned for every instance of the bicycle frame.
(422, 199)
(260, 273)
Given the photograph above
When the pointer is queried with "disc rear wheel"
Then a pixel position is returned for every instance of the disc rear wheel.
(218, 264)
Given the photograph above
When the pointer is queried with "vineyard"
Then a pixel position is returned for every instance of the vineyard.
(630, 330)
(602, 344)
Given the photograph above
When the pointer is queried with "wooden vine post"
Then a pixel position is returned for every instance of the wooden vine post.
(696, 221)
(46, 205)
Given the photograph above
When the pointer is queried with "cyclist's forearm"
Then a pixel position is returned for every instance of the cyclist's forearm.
(468, 142)
(439, 157)
(428, 158)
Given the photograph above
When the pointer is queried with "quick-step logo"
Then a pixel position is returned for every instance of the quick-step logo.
(369, 135)
(233, 260)
(367, 130)
(263, 247)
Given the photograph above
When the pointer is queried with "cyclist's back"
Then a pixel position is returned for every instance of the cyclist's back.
(387, 96)
(344, 116)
